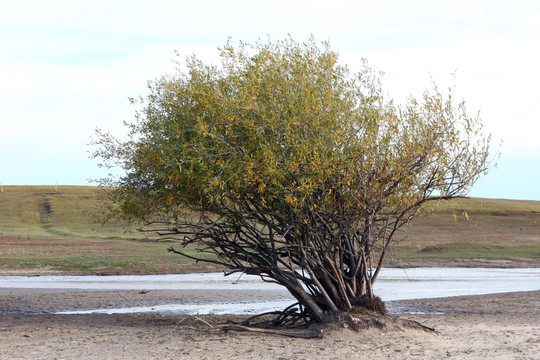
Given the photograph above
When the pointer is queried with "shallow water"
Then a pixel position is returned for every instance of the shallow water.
(393, 284)
(419, 283)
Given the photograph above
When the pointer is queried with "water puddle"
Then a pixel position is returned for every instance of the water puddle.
(420, 283)
(194, 281)
(239, 308)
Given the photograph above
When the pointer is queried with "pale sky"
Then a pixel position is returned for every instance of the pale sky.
(68, 67)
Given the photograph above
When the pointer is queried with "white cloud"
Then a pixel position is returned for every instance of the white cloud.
(496, 75)
(69, 66)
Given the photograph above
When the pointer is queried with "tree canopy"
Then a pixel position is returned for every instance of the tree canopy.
(280, 162)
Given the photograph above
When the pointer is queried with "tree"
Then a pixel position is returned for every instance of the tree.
(283, 164)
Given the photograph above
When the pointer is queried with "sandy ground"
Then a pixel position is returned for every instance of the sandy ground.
(499, 326)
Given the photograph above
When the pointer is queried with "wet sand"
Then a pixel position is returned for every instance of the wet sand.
(497, 326)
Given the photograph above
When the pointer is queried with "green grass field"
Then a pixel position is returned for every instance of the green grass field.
(490, 229)
(43, 228)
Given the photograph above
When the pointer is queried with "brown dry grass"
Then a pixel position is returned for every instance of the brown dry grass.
(48, 229)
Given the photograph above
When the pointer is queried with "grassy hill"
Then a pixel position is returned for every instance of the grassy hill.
(49, 211)
(464, 229)
(51, 229)
(48, 228)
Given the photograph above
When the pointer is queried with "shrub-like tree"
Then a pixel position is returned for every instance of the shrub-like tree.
(282, 163)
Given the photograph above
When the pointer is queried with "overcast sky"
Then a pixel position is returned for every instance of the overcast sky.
(68, 67)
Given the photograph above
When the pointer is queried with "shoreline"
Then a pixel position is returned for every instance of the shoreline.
(494, 326)
(211, 293)
(517, 263)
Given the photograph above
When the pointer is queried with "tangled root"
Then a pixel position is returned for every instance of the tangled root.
(366, 303)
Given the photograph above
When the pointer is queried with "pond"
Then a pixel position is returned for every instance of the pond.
(393, 284)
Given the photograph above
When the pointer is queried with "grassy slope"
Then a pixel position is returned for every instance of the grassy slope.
(58, 229)
(48, 211)
(46, 228)
(492, 229)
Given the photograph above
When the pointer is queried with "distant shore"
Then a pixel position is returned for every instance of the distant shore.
(467, 263)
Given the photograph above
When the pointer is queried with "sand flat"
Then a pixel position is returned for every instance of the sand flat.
(497, 326)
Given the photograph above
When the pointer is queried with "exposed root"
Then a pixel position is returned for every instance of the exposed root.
(366, 303)
(359, 322)
(295, 322)
(412, 324)
(304, 334)
(291, 322)
(294, 315)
